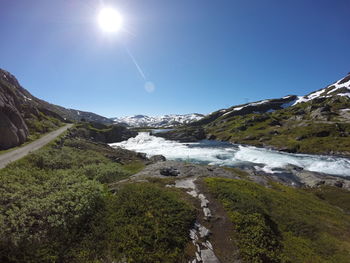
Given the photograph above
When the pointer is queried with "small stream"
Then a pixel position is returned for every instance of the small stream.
(235, 155)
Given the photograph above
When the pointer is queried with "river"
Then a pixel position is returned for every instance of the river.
(234, 155)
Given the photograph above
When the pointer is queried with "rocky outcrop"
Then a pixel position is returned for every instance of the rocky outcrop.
(169, 171)
(13, 129)
(190, 134)
(116, 133)
(102, 133)
(157, 158)
(20, 113)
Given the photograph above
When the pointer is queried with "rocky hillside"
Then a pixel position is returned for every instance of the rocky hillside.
(103, 133)
(316, 123)
(24, 116)
(158, 121)
(76, 115)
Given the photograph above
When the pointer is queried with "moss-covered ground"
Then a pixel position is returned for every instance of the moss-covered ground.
(283, 224)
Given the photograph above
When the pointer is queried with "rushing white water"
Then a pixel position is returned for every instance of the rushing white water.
(216, 153)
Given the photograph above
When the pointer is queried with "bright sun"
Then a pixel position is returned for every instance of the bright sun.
(110, 20)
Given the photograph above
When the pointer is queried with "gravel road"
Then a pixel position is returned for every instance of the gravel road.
(19, 153)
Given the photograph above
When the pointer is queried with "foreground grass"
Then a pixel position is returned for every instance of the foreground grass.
(55, 207)
(282, 224)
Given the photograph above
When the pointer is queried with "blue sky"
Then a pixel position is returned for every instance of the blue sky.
(201, 55)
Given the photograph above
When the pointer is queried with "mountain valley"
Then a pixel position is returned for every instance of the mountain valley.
(111, 190)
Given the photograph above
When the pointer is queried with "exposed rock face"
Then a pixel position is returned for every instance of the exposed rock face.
(102, 133)
(191, 134)
(115, 133)
(13, 129)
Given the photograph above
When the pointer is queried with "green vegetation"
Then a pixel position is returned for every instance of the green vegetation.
(55, 206)
(236, 171)
(283, 224)
(312, 127)
(334, 196)
(151, 224)
(41, 123)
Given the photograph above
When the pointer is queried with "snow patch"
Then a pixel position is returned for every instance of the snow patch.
(327, 94)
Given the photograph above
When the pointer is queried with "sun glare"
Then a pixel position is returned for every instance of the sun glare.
(110, 20)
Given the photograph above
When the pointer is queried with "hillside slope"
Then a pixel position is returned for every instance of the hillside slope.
(22, 115)
(316, 123)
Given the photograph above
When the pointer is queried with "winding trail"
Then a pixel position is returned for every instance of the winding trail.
(19, 153)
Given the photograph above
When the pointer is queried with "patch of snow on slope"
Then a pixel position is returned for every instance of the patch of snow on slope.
(326, 93)
(339, 85)
(247, 105)
(345, 94)
(258, 103)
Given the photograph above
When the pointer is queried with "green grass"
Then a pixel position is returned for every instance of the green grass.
(333, 195)
(283, 224)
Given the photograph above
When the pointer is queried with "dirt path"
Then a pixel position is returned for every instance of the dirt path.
(212, 233)
(221, 227)
(199, 234)
(19, 153)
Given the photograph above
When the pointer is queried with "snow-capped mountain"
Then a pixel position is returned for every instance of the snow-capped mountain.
(339, 88)
(158, 121)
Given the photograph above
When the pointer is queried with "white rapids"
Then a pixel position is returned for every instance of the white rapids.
(225, 154)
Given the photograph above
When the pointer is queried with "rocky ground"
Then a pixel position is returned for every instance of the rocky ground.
(292, 176)
(212, 232)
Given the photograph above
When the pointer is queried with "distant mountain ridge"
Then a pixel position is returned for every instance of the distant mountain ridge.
(339, 88)
(158, 121)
